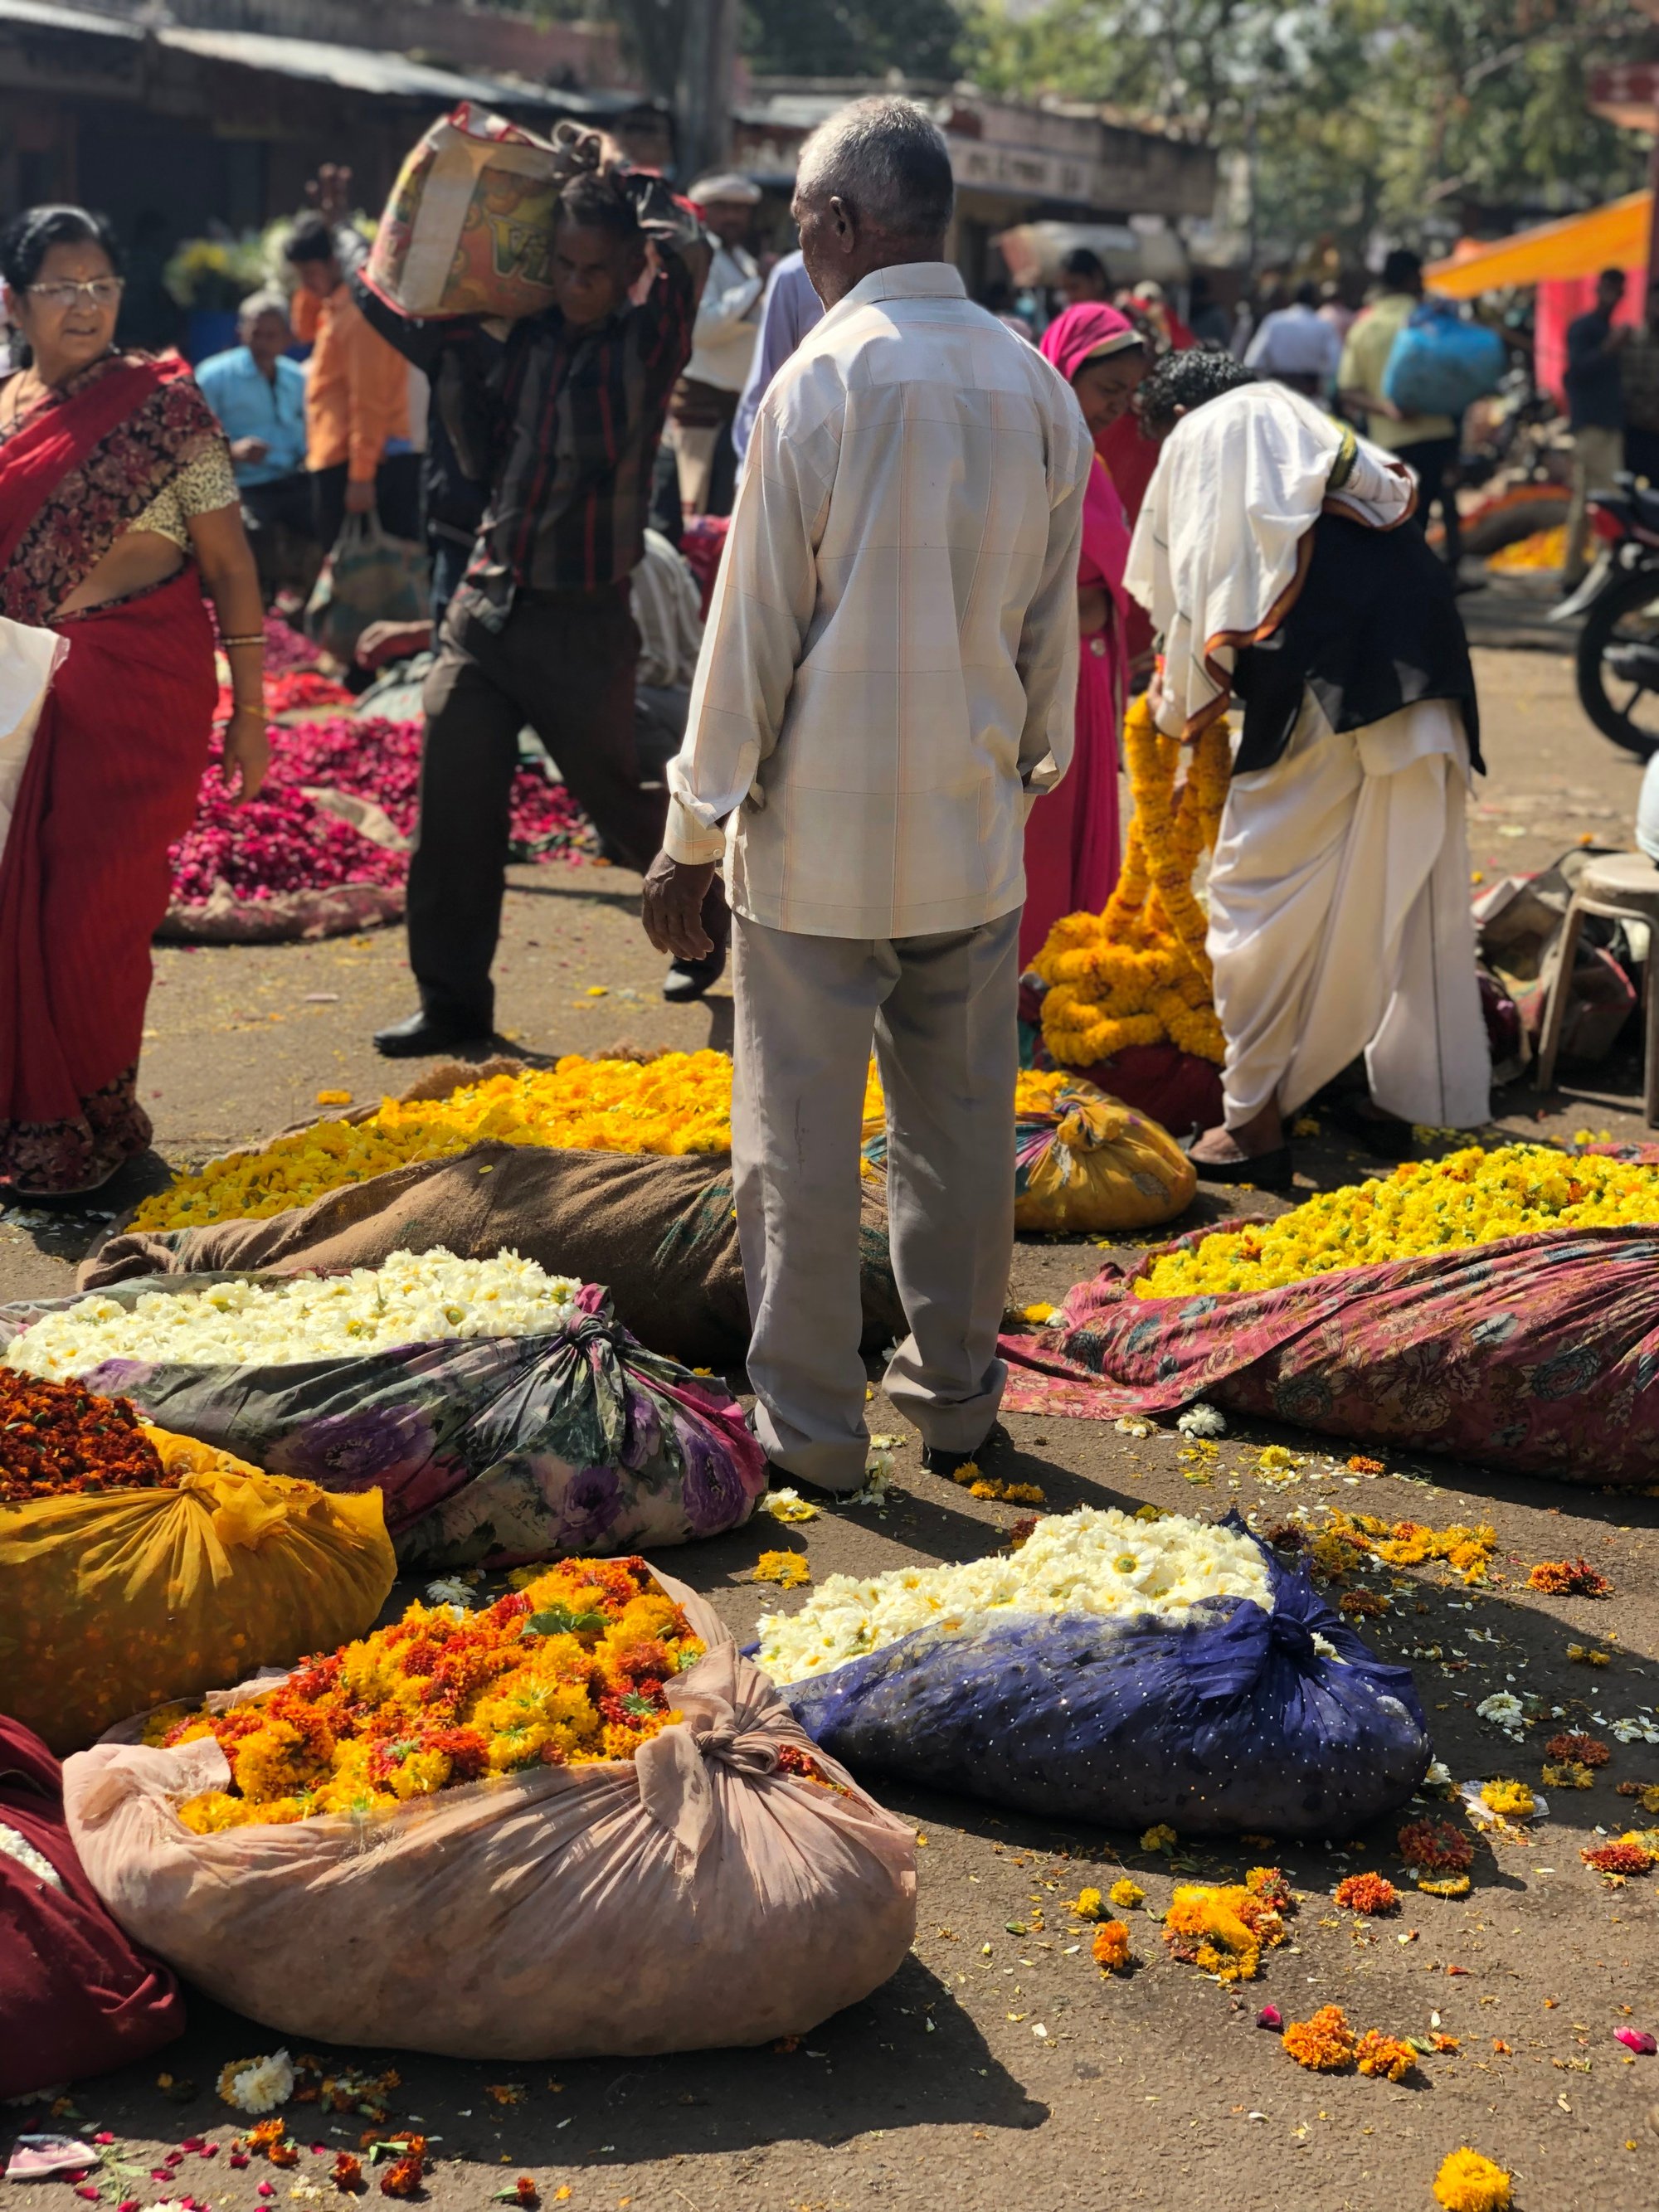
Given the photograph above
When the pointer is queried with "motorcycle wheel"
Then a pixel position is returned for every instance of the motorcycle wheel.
(1627, 613)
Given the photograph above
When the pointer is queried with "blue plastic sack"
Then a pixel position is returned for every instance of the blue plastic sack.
(1233, 1725)
(1440, 364)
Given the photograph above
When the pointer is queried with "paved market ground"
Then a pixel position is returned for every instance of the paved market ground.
(1000, 2066)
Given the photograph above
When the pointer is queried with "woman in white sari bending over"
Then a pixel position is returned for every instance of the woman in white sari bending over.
(1270, 554)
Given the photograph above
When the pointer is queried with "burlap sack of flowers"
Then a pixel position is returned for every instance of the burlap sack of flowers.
(694, 1894)
(659, 1232)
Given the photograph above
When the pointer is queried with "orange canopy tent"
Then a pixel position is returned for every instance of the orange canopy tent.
(1614, 236)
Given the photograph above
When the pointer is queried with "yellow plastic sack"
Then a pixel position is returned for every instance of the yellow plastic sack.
(1083, 1162)
(111, 1604)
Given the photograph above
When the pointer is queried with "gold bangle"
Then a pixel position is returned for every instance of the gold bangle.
(237, 707)
(256, 638)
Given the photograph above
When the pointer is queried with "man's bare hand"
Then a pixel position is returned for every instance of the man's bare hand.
(359, 497)
(248, 449)
(672, 910)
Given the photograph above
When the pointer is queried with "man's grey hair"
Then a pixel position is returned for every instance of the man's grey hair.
(270, 302)
(889, 163)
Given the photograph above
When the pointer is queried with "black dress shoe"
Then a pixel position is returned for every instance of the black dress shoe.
(938, 1460)
(1273, 1170)
(419, 1037)
(690, 978)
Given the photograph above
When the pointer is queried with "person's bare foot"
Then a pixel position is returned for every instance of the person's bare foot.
(1225, 1147)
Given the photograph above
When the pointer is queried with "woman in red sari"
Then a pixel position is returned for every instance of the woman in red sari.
(118, 508)
(1072, 834)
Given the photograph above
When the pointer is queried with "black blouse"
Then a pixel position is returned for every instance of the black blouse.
(1375, 628)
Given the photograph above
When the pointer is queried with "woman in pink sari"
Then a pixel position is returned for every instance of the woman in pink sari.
(1072, 834)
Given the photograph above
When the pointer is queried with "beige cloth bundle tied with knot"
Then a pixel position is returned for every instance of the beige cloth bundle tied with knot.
(692, 1896)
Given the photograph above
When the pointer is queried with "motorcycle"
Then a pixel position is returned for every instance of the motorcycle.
(1618, 645)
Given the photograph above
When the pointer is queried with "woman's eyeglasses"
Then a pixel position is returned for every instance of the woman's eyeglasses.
(102, 291)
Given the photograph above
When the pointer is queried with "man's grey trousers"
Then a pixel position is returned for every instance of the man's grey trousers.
(943, 1015)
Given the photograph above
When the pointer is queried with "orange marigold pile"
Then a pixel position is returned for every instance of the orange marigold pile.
(57, 1440)
(1224, 1928)
(1110, 1949)
(1325, 2044)
(577, 1666)
(1367, 1892)
(1582, 1750)
(1622, 1857)
(1377, 2053)
(1569, 1578)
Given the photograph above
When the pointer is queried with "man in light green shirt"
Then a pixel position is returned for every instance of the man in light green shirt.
(1428, 444)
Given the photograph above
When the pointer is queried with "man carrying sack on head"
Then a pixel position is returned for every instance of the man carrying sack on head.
(563, 420)
(886, 682)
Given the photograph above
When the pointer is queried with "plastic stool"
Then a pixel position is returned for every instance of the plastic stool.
(1620, 887)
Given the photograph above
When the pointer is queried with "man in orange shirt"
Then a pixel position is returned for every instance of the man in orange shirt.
(358, 452)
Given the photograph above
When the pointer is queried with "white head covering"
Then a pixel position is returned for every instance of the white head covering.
(730, 185)
(1223, 540)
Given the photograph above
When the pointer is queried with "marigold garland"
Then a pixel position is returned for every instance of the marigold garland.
(1137, 974)
(1346, 1538)
(1471, 1197)
(576, 1667)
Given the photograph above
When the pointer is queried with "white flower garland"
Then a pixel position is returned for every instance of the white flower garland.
(1101, 1562)
(411, 1299)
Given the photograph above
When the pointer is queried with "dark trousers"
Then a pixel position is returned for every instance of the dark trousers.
(396, 498)
(289, 500)
(1431, 458)
(563, 662)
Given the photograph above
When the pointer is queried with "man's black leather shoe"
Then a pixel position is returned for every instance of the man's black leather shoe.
(687, 980)
(418, 1037)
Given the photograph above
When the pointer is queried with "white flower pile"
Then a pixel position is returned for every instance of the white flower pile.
(19, 1847)
(411, 1299)
(1101, 1562)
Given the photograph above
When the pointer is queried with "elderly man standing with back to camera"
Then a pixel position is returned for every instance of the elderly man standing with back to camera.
(886, 682)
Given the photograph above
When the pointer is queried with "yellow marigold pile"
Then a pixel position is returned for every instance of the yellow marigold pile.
(1137, 974)
(681, 1101)
(1471, 1197)
(1224, 1928)
(1339, 1546)
(1468, 2182)
(575, 1667)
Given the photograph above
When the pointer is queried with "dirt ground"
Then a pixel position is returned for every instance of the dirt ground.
(1000, 2066)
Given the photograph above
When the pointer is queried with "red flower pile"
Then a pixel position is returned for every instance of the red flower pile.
(1569, 1578)
(57, 1440)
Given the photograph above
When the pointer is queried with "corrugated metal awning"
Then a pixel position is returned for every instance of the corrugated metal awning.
(353, 69)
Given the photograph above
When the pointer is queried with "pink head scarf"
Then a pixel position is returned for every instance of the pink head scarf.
(1083, 332)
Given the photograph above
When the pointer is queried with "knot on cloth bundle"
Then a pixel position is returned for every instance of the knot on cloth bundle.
(1242, 1718)
(724, 1885)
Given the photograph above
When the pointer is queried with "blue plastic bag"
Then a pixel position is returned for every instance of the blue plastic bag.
(1233, 1725)
(1440, 364)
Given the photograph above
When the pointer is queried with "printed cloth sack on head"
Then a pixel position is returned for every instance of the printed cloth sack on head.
(469, 227)
(698, 1895)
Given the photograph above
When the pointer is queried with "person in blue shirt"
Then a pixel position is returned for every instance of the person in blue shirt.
(259, 397)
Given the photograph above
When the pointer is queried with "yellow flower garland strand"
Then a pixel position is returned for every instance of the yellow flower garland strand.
(1137, 974)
